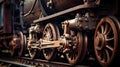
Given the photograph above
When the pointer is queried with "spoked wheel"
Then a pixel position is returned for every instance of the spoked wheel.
(17, 44)
(74, 53)
(32, 41)
(106, 41)
(50, 33)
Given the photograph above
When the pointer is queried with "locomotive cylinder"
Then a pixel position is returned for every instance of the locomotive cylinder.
(75, 23)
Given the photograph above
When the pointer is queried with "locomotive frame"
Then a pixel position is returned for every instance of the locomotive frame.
(71, 32)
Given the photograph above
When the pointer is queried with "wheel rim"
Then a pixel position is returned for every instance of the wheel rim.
(84, 48)
(22, 43)
(17, 45)
(74, 54)
(50, 33)
(13, 45)
(32, 40)
(105, 41)
(32, 52)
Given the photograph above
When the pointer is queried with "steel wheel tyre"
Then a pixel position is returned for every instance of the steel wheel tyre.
(106, 41)
(50, 33)
(84, 48)
(75, 52)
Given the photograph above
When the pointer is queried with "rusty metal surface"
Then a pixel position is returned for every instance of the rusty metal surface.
(31, 10)
(105, 41)
(65, 11)
(53, 6)
(58, 8)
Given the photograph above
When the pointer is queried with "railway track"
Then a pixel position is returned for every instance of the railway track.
(28, 62)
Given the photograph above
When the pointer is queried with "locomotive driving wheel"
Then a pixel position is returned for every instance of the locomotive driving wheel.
(50, 33)
(106, 41)
(17, 44)
(74, 52)
(32, 40)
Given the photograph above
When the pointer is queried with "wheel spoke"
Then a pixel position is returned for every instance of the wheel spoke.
(109, 47)
(109, 30)
(104, 56)
(102, 29)
(72, 55)
(110, 39)
(107, 55)
(106, 28)
(99, 53)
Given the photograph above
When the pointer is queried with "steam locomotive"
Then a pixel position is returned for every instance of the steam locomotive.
(74, 28)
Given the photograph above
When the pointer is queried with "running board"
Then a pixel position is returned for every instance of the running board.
(83, 6)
